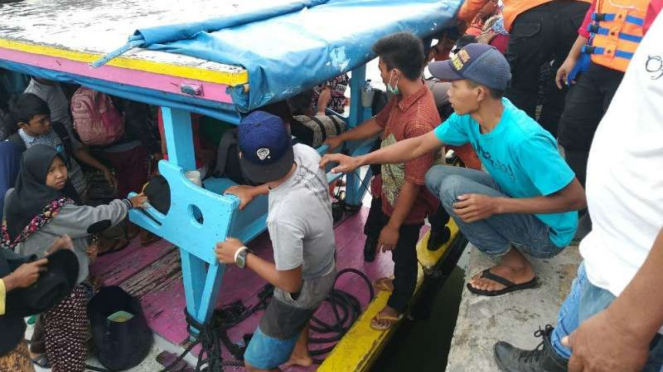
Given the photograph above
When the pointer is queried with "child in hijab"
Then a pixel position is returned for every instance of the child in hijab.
(43, 206)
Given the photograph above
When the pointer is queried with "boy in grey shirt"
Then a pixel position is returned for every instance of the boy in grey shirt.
(301, 229)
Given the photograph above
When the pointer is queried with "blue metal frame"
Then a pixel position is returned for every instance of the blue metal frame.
(221, 217)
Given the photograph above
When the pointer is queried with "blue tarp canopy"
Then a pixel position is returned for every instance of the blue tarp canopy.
(293, 47)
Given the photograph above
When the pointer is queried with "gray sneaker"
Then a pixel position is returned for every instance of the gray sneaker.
(542, 359)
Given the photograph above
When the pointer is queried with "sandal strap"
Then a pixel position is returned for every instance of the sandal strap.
(498, 279)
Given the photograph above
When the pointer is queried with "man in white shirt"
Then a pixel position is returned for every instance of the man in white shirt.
(612, 316)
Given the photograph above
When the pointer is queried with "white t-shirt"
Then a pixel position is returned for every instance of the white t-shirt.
(625, 172)
(300, 220)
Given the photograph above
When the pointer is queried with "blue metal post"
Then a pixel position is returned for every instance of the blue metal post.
(358, 114)
(179, 138)
(197, 218)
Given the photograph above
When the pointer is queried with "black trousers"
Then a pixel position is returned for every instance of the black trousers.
(404, 256)
(543, 34)
(586, 104)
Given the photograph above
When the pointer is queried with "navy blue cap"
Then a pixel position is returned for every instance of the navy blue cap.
(480, 63)
(266, 147)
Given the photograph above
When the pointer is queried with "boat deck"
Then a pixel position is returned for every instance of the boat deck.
(154, 275)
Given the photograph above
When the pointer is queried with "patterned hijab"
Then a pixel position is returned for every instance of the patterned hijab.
(33, 203)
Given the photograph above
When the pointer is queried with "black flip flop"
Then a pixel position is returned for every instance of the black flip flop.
(509, 285)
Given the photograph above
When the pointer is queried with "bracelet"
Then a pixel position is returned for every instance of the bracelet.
(237, 252)
(129, 203)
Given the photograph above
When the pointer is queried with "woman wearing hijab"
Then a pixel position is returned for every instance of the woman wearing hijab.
(10, 162)
(43, 206)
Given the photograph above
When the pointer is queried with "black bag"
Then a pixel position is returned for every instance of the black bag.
(314, 130)
(158, 193)
(118, 345)
(227, 159)
(380, 100)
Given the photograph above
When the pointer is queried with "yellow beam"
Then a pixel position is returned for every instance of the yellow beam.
(358, 349)
(201, 74)
(429, 259)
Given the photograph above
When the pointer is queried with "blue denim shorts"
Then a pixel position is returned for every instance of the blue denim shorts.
(266, 352)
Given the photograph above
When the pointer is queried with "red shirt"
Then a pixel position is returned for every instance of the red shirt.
(401, 119)
(654, 9)
(582, 31)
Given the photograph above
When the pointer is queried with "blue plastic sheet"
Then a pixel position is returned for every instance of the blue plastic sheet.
(297, 49)
(170, 33)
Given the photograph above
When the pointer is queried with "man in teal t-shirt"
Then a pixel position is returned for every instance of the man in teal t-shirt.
(529, 196)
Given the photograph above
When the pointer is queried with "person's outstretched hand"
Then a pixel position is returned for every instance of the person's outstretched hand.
(333, 143)
(138, 201)
(243, 192)
(346, 164)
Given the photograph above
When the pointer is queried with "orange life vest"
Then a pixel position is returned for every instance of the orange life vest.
(616, 31)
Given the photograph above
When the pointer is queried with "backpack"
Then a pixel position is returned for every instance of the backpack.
(314, 130)
(61, 131)
(123, 341)
(227, 159)
(96, 120)
(380, 100)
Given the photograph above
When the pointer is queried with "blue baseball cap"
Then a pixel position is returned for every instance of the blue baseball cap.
(480, 63)
(266, 147)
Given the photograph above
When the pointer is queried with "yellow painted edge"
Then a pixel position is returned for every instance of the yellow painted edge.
(427, 258)
(188, 72)
(358, 349)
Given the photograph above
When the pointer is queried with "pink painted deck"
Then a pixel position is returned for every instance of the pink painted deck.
(154, 275)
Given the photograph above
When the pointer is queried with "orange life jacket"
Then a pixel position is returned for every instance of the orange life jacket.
(616, 31)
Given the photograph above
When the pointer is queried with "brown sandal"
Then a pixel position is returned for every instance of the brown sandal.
(389, 319)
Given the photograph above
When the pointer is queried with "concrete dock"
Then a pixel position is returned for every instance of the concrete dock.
(482, 321)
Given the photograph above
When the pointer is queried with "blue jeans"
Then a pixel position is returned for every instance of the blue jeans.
(495, 235)
(585, 301)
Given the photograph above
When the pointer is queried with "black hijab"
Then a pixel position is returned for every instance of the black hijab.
(31, 194)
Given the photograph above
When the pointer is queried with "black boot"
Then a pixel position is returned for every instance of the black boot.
(370, 248)
(542, 359)
(438, 236)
